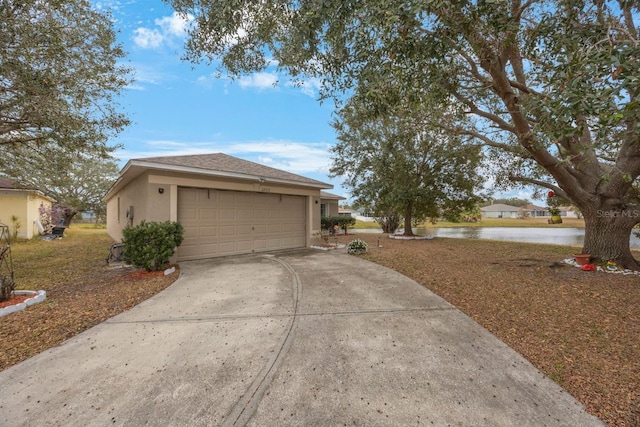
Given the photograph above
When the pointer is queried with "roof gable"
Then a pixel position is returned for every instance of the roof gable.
(224, 163)
(499, 207)
(217, 165)
(331, 196)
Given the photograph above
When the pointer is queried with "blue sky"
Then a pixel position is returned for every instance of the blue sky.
(177, 108)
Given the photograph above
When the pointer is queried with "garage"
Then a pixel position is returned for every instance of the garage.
(227, 205)
(219, 223)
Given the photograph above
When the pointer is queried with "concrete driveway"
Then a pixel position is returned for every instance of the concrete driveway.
(304, 338)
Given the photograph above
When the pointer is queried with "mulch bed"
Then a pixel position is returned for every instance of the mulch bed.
(15, 299)
(72, 307)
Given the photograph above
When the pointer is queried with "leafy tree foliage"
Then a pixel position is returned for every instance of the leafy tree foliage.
(404, 165)
(76, 180)
(58, 74)
(552, 85)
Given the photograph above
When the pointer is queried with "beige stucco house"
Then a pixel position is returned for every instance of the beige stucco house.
(329, 203)
(24, 205)
(227, 205)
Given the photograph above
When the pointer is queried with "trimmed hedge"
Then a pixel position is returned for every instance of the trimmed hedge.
(149, 245)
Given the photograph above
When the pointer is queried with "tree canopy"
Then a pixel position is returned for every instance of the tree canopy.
(403, 166)
(551, 85)
(59, 74)
(77, 181)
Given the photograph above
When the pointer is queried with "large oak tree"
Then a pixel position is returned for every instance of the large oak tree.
(552, 84)
(59, 74)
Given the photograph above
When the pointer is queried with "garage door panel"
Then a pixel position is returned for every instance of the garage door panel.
(244, 215)
(226, 197)
(188, 213)
(275, 228)
(219, 223)
(188, 195)
(244, 199)
(207, 214)
(205, 232)
(227, 214)
(227, 230)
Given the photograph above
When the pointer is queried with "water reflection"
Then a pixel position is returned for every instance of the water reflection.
(557, 236)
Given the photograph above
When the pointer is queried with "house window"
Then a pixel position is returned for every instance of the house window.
(323, 210)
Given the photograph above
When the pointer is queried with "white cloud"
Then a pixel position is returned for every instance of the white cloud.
(260, 80)
(309, 87)
(175, 25)
(167, 29)
(295, 157)
(144, 74)
(147, 39)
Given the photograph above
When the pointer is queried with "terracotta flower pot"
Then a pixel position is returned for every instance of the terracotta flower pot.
(582, 259)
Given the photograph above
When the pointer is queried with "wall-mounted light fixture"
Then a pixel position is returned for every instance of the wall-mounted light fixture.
(160, 190)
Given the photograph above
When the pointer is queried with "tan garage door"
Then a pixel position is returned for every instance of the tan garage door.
(218, 223)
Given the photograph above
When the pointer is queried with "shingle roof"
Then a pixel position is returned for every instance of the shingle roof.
(531, 207)
(499, 207)
(225, 163)
(5, 183)
(327, 195)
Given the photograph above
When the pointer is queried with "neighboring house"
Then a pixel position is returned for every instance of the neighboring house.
(500, 211)
(345, 212)
(568, 212)
(533, 211)
(329, 204)
(226, 205)
(23, 205)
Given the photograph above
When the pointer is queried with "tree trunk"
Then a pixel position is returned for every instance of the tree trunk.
(408, 214)
(606, 237)
(68, 216)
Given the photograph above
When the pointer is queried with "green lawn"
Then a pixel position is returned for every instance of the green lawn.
(39, 264)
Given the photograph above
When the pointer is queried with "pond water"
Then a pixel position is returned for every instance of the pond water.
(556, 236)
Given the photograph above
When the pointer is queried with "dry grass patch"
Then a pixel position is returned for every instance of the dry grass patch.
(580, 328)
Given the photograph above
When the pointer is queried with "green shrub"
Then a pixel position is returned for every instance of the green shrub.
(357, 247)
(327, 222)
(149, 245)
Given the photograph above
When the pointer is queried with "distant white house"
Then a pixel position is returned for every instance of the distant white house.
(568, 212)
(499, 210)
(533, 211)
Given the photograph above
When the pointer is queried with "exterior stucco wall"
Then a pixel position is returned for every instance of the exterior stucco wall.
(505, 214)
(135, 195)
(332, 207)
(25, 205)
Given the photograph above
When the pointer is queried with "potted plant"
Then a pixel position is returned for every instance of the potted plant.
(582, 259)
(554, 210)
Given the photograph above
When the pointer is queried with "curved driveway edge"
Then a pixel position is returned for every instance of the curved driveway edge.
(296, 338)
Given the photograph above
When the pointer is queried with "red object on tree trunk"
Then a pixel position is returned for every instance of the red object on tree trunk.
(551, 194)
